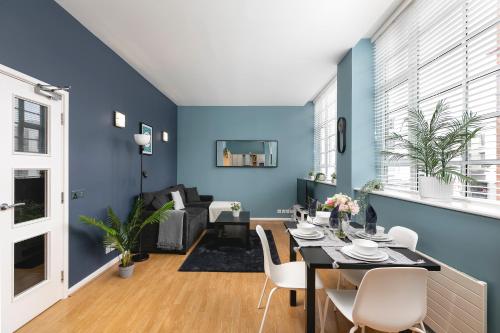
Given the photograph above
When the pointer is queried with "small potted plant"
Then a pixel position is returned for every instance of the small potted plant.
(236, 209)
(123, 236)
(334, 177)
(433, 145)
(320, 177)
(312, 175)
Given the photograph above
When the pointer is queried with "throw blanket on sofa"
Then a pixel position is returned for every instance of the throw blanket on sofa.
(170, 231)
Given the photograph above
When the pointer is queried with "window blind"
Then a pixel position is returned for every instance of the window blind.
(325, 130)
(438, 50)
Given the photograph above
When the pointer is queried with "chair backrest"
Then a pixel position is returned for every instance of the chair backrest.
(268, 262)
(391, 299)
(405, 236)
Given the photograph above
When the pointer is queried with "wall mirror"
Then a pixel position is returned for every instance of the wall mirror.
(247, 153)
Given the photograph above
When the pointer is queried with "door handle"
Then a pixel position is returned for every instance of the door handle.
(5, 206)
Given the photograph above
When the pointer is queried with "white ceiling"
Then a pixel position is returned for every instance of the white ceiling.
(233, 52)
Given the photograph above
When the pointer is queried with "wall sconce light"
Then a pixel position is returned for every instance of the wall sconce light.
(164, 136)
(119, 119)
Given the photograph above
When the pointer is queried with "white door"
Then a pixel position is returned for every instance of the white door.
(31, 207)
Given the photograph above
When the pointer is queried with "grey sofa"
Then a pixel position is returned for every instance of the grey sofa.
(195, 219)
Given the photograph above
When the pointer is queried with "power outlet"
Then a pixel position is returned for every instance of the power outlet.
(77, 194)
(108, 249)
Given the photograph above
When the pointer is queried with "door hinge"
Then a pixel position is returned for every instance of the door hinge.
(62, 197)
(62, 119)
(62, 276)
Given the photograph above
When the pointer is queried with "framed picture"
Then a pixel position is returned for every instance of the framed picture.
(146, 129)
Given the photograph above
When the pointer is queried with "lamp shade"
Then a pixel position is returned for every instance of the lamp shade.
(142, 139)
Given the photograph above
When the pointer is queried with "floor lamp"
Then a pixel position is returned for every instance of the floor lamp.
(141, 140)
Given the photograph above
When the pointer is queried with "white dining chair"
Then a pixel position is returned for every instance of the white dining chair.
(401, 235)
(388, 300)
(290, 275)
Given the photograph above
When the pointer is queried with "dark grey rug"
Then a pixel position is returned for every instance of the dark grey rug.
(213, 254)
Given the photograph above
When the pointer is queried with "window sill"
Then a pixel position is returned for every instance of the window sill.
(322, 182)
(491, 210)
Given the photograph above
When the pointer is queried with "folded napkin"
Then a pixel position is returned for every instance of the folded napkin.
(392, 243)
(395, 257)
(370, 215)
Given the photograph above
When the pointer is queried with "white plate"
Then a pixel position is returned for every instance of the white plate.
(317, 222)
(347, 250)
(376, 255)
(316, 235)
(375, 238)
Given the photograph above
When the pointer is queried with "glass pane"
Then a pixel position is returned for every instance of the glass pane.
(30, 127)
(30, 189)
(29, 263)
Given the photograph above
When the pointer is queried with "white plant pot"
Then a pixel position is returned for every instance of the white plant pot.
(236, 213)
(433, 188)
(126, 272)
(311, 177)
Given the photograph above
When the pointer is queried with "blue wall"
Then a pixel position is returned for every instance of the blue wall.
(465, 241)
(41, 39)
(355, 93)
(262, 191)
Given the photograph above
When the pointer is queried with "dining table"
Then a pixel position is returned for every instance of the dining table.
(315, 258)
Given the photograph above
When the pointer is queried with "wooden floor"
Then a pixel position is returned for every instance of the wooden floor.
(158, 298)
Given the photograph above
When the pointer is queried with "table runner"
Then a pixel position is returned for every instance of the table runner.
(394, 257)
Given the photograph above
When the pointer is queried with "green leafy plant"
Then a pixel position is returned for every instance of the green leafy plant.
(369, 187)
(320, 176)
(123, 236)
(435, 143)
(235, 206)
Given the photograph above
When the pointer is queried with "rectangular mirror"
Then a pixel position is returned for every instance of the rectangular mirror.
(247, 153)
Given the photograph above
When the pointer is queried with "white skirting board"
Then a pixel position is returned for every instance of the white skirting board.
(277, 219)
(456, 302)
(93, 275)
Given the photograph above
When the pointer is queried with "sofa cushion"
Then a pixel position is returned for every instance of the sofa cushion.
(178, 202)
(179, 188)
(200, 204)
(192, 194)
(159, 200)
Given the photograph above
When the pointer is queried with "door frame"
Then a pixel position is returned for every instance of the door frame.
(4, 70)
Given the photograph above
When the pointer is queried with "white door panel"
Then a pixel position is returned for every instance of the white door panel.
(32, 174)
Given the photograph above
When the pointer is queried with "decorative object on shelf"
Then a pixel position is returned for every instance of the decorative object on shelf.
(433, 145)
(122, 236)
(236, 209)
(369, 187)
(343, 208)
(334, 177)
(320, 177)
(311, 175)
(164, 136)
(119, 119)
(141, 140)
(147, 149)
(246, 153)
(341, 134)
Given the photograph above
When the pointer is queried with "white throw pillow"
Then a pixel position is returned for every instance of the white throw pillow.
(178, 203)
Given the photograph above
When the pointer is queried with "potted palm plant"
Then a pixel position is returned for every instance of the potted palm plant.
(122, 236)
(433, 145)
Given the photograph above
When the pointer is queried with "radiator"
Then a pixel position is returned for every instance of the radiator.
(456, 302)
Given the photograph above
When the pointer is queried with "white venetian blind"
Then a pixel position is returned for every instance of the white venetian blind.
(440, 50)
(325, 130)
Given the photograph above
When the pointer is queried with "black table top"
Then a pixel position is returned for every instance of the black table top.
(228, 218)
(316, 257)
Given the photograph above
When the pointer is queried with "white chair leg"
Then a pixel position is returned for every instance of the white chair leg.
(422, 326)
(354, 329)
(416, 329)
(267, 308)
(325, 311)
(363, 329)
(262, 293)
